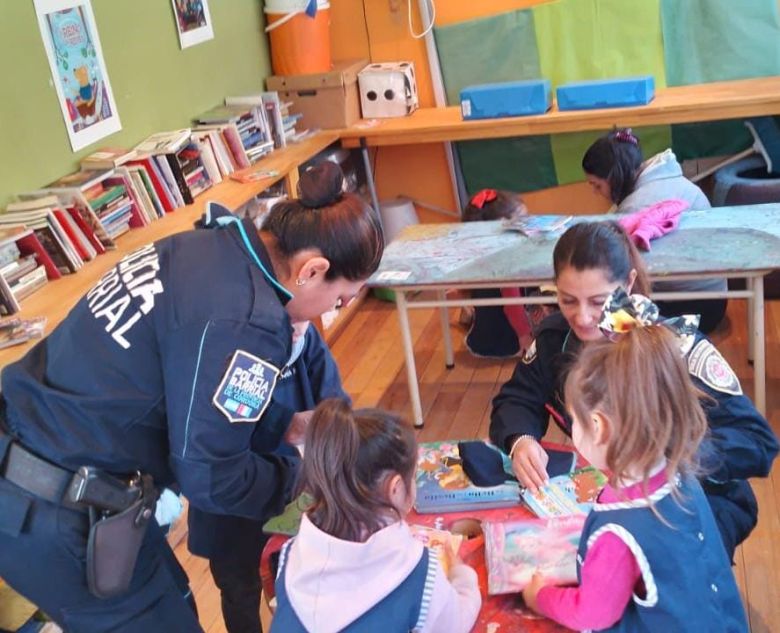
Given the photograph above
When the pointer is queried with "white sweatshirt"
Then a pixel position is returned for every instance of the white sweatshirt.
(331, 582)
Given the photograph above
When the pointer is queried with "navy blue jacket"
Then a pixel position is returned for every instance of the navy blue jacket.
(740, 443)
(688, 582)
(312, 377)
(129, 380)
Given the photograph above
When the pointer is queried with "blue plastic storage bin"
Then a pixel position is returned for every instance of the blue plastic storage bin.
(511, 98)
(606, 93)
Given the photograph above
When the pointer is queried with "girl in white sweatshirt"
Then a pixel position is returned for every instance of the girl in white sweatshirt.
(355, 565)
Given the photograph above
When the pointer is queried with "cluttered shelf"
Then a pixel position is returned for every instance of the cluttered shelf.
(58, 297)
(681, 104)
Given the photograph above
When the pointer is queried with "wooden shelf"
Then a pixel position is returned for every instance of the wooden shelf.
(682, 104)
(56, 298)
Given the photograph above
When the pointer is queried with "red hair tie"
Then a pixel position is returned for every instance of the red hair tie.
(481, 197)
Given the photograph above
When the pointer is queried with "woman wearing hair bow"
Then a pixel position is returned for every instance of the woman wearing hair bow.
(591, 260)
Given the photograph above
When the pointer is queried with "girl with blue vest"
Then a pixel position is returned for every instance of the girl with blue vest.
(650, 556)
(354, 565)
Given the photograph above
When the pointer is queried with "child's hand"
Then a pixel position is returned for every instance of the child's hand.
(296, 432)
(532, 589)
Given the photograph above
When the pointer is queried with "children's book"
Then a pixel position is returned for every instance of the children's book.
(442, 485)
(15, 331)
(515, 550)
(440, 542)
(536, 224)
(568, 494)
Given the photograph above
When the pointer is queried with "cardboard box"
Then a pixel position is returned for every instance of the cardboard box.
(326, 100)
(388, 90)
(511, 98)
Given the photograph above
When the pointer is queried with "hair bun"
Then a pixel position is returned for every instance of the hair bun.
(321, 185)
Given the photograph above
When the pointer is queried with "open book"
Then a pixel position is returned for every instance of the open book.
(573, 493)
(536, 224)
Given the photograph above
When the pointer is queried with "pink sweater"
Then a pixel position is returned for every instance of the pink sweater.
(609, 575)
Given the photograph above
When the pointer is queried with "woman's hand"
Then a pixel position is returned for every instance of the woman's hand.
(296, 432)
(532, 590)
(529, 461)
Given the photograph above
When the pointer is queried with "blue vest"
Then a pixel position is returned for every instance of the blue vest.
(689, 585)
(405, 609)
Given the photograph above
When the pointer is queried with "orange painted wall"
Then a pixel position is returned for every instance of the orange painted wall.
(378, 30)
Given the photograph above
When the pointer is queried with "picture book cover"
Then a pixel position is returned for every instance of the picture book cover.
(567, 494)
(289, 521)
(442, 484)
(536, 224)
(516, 550)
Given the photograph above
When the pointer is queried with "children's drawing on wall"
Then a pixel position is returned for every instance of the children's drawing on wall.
(193, 21)
(80, 78)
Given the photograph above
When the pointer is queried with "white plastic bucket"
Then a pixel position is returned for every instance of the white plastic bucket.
(396, 215)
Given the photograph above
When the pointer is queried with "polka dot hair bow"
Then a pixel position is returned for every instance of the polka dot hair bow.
(623, 312)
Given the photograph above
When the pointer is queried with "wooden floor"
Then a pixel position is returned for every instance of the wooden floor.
(456, 404)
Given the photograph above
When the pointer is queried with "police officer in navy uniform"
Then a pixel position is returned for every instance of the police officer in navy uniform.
(233, 544)
(163, 373)
(591, 259)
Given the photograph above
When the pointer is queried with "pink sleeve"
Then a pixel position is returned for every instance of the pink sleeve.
(609, 574)
(516, 315)
(455, 601)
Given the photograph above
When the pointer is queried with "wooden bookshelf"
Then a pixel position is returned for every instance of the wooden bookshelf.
(680, 104)
(56, 298)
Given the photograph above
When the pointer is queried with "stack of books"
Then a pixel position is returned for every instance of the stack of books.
(140, 183)
(21, 274)
(178, 161)
(247, 124)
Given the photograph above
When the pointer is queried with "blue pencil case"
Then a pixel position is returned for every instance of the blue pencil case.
(511, 98)
(606, 93)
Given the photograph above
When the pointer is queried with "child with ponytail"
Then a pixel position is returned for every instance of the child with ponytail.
(354, 565)
(650, 556)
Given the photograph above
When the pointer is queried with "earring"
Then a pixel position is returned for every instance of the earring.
(300, 282)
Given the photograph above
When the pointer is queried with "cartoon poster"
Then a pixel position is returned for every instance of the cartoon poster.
(79, 72)
(193, 21)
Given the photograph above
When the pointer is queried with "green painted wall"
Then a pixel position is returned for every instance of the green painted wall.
(157, 86)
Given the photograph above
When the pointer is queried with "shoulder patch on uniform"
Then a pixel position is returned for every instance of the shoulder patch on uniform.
(706, 363)
(246, 388)
(529, 356)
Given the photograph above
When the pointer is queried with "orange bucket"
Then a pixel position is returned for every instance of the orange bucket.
(300, 45)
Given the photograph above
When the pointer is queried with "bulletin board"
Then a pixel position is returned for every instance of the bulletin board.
(679, 42)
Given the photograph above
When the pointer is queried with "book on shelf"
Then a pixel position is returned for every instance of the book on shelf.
(516, 550)
(442, 484)
(15, 331)
(251, 123)
(272, 106)
(154, 175)
(179, 161)
(568, 494)
(38, 214)
(108, 158)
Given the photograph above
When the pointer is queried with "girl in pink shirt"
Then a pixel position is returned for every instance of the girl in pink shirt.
(650, 556)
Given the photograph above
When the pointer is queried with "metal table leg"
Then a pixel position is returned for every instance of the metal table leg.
(369, 175)
(411, 369)
(758, 344)
(449, 358)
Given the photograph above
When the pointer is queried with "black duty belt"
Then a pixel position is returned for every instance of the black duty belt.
(36, 475)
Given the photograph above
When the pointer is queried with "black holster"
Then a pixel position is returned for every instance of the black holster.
(114, 542)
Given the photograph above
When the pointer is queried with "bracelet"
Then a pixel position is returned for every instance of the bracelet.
(517, 441)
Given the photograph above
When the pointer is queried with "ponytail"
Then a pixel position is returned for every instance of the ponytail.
(348, 455)
(616, 158)
(604, 246)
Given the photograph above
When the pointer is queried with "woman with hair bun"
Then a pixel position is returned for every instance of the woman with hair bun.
(165, 375)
